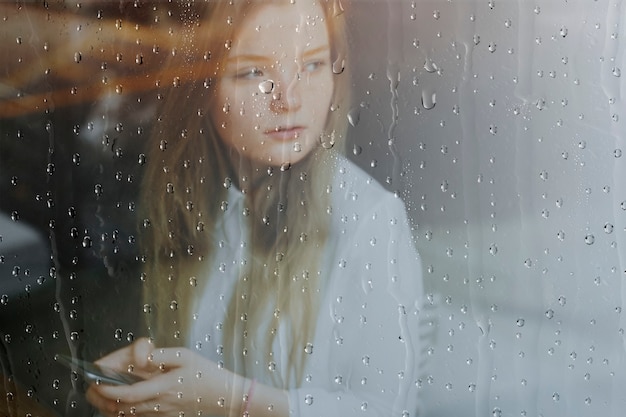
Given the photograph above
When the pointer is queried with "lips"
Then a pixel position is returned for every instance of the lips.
(285, 133)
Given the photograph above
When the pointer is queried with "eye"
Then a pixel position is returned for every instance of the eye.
(312, 66)
(249, 73)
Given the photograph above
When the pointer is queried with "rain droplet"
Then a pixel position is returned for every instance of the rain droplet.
(339, 65)
(266, 86)
(430, 66)
(429, 99)
(354, 116)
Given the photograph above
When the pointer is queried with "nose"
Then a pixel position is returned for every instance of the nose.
(286, 96)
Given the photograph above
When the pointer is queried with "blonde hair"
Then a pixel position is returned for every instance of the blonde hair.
(184, 188)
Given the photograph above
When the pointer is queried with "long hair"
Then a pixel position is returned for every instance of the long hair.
(187, 175)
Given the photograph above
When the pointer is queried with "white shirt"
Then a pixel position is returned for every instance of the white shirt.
(365, 352)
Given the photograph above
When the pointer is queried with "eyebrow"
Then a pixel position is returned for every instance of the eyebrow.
(267, 60)
(315, 51)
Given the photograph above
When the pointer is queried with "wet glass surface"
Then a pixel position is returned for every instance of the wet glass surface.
(498, 123)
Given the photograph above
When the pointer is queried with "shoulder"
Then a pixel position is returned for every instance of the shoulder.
(359, 197)
(352, 183)
(371, 234)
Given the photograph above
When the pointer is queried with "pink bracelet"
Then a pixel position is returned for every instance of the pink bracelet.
(249, 397)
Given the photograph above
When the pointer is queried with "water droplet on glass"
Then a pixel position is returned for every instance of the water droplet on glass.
(339, 65)
(354, 116)
(430, 66)
(266, 86)
(429, 99)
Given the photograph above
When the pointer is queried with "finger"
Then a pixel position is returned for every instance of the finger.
(104, 405)
(116, 359)
(168, 358)
(111, 408)
(141, 351)
(139, 392)
(135, 355)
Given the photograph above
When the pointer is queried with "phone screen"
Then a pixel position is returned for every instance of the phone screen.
(96, 373)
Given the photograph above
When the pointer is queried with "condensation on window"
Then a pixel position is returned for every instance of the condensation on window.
(498, 124)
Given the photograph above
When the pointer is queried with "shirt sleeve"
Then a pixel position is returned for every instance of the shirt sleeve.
(373, 311)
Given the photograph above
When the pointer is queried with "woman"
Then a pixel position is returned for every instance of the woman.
(280, 280)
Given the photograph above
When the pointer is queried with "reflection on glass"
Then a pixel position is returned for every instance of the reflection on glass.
(129, 148)
(274, 276)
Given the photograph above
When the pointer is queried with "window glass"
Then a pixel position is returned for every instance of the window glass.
(366, 206)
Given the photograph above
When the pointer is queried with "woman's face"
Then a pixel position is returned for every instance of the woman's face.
(274, 95)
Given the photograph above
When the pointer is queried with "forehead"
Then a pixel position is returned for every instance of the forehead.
(277, 28)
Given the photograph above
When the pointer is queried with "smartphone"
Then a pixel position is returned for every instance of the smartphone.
(96, 373)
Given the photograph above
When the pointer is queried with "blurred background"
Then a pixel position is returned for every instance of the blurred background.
(499, 122)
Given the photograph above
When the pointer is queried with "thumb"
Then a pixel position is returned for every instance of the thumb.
(141, 352)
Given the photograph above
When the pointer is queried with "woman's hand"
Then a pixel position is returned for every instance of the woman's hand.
(177, 381)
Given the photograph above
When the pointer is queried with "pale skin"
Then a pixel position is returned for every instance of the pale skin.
(274, 96)
(277, 127)
(181, 381)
